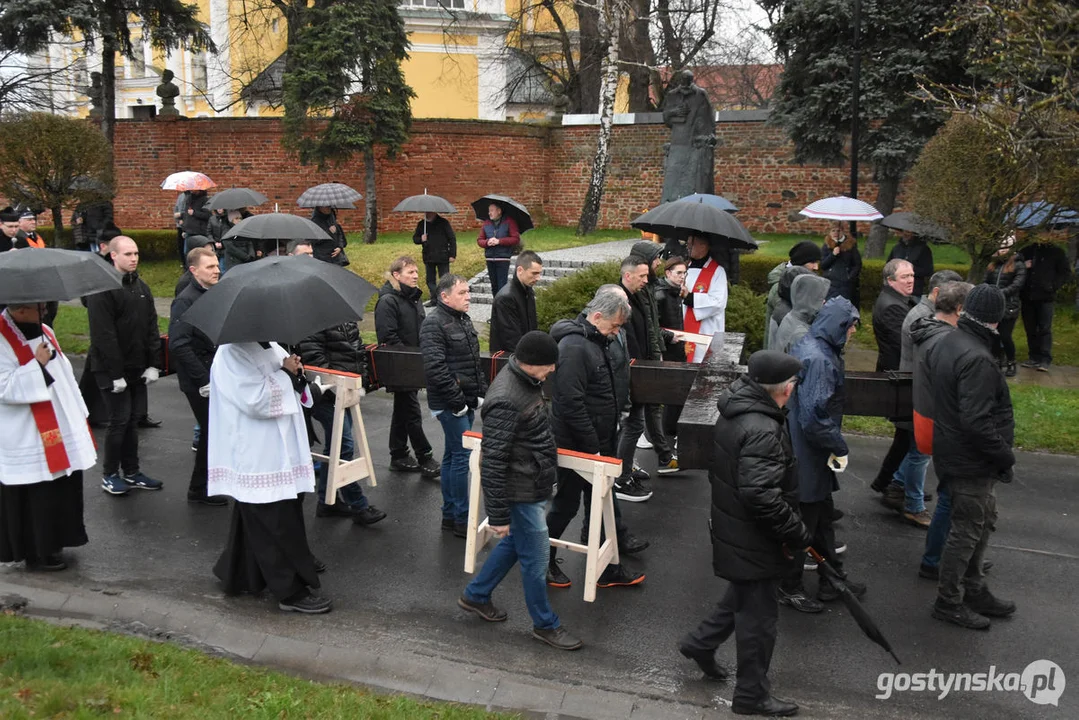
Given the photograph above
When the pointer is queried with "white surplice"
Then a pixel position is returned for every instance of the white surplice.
(708, 307)
(259, 450)
(22, 454)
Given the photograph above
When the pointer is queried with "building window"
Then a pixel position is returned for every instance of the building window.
(449, 4)
(198, 70)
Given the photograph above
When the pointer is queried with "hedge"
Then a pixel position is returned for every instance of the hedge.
(153, 244)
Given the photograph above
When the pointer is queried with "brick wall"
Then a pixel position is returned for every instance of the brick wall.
(544, 168)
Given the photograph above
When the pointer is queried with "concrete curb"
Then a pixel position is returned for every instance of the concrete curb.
(397, 673)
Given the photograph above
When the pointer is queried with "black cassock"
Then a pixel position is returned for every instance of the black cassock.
(40, 519)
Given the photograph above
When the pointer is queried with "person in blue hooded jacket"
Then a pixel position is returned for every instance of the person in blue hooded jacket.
(815, 418)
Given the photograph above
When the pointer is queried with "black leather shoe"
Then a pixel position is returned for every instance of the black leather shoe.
(368, 516)
(631, 545)
(486, 610)
(557, 638)
(213, 500)
(148, 422)
(706, 661)
(985, 603)
(51, 563)
(960, 615)
(338, 509)
(769, 707)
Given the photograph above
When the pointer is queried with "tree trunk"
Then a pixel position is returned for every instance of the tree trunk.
(59, 237)
(591, 58)
(370, 213)
(978, 265)
(611, 23)
(108, 86)
(638, 50)
(888, 189)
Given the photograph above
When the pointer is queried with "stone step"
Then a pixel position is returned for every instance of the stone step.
(483, 286)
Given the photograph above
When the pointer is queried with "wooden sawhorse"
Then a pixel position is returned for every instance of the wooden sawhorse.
(598, 470)
(348, 389)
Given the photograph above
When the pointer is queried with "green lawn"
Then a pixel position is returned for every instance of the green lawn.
(51, 671)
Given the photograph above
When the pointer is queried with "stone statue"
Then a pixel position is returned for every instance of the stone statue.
(559, 100)
(168, 91)
(690, 155)
(94, 93)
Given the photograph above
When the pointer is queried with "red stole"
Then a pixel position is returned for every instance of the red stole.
(690, 323)
(44, 414)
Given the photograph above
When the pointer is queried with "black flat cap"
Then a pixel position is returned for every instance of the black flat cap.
(768, 367)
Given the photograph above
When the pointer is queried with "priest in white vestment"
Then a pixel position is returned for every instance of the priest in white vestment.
(704, 295)
(260, 455)
(45, 444)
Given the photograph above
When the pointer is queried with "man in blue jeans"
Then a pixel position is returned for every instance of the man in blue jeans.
(456, 384)
(518, 470)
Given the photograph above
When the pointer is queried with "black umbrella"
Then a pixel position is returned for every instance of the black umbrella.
(509, 206)
(47, 274)
(425, 203)
(865, 622)
(335, 195)
(275, 226)
(282, 299)
(682, 218)
(915, 223)
(236, 198)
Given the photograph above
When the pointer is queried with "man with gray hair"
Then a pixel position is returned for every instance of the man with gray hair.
(906, 492)
(585, 410)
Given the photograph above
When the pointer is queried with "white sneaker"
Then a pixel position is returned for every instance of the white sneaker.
(643, 444)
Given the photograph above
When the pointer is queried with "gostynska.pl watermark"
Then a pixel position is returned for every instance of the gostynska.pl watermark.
(1041, 682)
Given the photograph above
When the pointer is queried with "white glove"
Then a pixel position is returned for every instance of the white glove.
(479, 403)
(204, 391)
(838, 464)
(118, 386)
(462, 412)
(150, 375)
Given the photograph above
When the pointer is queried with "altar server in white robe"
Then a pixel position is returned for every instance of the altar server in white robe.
(45, 444)
(704, 296)
(259, 455)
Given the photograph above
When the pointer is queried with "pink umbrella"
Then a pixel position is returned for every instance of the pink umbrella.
(187, 180)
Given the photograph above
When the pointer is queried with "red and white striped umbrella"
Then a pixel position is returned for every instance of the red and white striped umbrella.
(187, 180)
(841, 208)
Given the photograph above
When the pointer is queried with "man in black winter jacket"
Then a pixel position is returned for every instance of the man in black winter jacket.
(398, 316)
(1047, 271)
(518, 467)
(191, 353)
(125, 356)
(439, 243)
(456, 384)
(755, 525)
(584, 416)
(973, 433)
(196, 218)
(514, 310)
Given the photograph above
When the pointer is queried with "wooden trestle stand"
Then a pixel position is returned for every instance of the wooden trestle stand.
(598, 470)
(348, 389)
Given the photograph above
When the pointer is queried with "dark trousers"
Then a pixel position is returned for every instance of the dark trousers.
(181, 245)
(654, 429)
(122, 438)
(435, 271)
(1005, 329)
(817, 517)
(571, 488)
(671, 414)
(894, 457)
(406, 424)
(200, 408)
(499, 273)
(974, 517)
(1038, 323)
(750, 611)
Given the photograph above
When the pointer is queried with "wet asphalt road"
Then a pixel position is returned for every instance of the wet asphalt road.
(396, 583)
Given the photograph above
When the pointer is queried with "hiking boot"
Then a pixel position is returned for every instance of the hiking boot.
(429, 467)
(893, 497)
(486, 610)
(142, 481)
(338, 509)
(618, 576)
(921, 519)
(555, 577)
(800, 601)
(984, 603)
(1010, 369)
(368, 516)
(211, 500)
(308, 604)
(706, 661)
(115, 485)
(632, 490)
(666, 468)
(404, 464)
(557, 638)
(768, 707)
(827, 592)
(639, 473)
(631, 545)
(960, 615)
